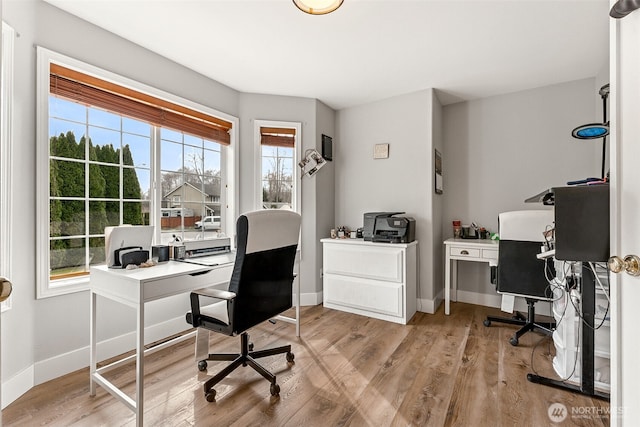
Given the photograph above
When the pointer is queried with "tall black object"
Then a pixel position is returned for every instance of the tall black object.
(582, 234)
(582, 223)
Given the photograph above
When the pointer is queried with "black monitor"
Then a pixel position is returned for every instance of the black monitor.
(582, 223)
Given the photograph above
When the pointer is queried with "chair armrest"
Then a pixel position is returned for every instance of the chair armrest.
(215, 293)
(210, 293)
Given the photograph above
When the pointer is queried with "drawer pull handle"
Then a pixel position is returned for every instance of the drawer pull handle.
(464, 252)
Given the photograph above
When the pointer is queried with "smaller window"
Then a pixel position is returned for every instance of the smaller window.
(176, 200)
(278, 147)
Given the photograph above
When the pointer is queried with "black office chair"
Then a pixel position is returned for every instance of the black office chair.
(260, 288)
(520, 272)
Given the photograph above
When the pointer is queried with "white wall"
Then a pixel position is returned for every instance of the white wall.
(316, 118)
(403, 182)
(498, 151)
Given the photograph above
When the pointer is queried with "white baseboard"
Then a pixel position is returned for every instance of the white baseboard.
(17, 385)
(428, 305)
(57, 366)
(311, 298)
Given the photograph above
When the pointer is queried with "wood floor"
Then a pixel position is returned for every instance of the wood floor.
(349, 371)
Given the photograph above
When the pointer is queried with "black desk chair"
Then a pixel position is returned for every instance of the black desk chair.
(260, 288)
(520, 272)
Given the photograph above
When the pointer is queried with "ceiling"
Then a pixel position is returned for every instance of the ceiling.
(368, 49)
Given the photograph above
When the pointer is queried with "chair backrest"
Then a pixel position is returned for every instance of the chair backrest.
(262, 275)
(520, 272)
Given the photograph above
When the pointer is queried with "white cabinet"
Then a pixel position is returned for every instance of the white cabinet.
(369, 278)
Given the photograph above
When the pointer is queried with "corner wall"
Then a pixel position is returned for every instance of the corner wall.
(403, 182)
(501, 150)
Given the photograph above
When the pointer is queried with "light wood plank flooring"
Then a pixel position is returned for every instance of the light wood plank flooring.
(349, 371)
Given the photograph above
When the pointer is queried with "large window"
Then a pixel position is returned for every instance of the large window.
(278, 149)
(118, 152)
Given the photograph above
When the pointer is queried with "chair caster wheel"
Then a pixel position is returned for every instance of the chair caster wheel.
(210, 395)
(290, 356)
(487, 322)
(250, 346)
(275, 389)
(513, 341)
(202, 365)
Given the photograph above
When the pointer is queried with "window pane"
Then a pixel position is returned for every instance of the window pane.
(112, 211)
(132, 213)
(97, 182)
(67, 256)
(193, 158)
(111, 175)
(193, 140)
(96, 251)
(285, 152)
(211, 161)
(97, 217)
(170, 135)
(140, 149)
(131, 183)
(66, 179)
(104, 119)
(136, 127)
(144, 180)
(64, 142)
(66, 218)
(268, 150)
(171, 181)
(171, 156)
(105, 140)
(62, 108)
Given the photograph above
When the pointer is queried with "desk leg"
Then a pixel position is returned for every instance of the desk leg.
(92, 346)
(297, 281)
(140, 365)
(454, 280)
(447, 284)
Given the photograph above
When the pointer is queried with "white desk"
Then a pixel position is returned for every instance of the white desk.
(465, 250)
(134, 288)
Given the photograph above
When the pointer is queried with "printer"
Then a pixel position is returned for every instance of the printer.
(370, 222)
(394, 229)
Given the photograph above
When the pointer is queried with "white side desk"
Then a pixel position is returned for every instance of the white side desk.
(134, 288)
(465, 250)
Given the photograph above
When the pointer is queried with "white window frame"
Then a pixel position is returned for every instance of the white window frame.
(297, 200)
(47, 288)
(6, 146)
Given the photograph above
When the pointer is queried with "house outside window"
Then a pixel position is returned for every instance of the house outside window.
(103, 164)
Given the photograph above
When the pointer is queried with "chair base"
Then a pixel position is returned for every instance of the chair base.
(244, 358)
(528, 323)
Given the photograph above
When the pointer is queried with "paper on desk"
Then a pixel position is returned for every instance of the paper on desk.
(508, 301)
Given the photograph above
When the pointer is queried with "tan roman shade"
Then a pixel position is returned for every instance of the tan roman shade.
(277, 137)
(89, 90)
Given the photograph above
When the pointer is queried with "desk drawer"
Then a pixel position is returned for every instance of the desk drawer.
(490, 254)
(470, 252)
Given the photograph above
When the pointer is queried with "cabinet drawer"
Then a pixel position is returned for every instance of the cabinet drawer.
(380, 263)
(490, 254)
(170, 286)
(468, 252)
(362, 294)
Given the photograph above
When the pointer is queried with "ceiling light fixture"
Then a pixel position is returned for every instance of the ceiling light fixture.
(318, 7)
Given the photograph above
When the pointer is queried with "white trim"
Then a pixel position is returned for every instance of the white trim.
(257, 124)
(44, 58)
(6, 148)
(18, 385)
